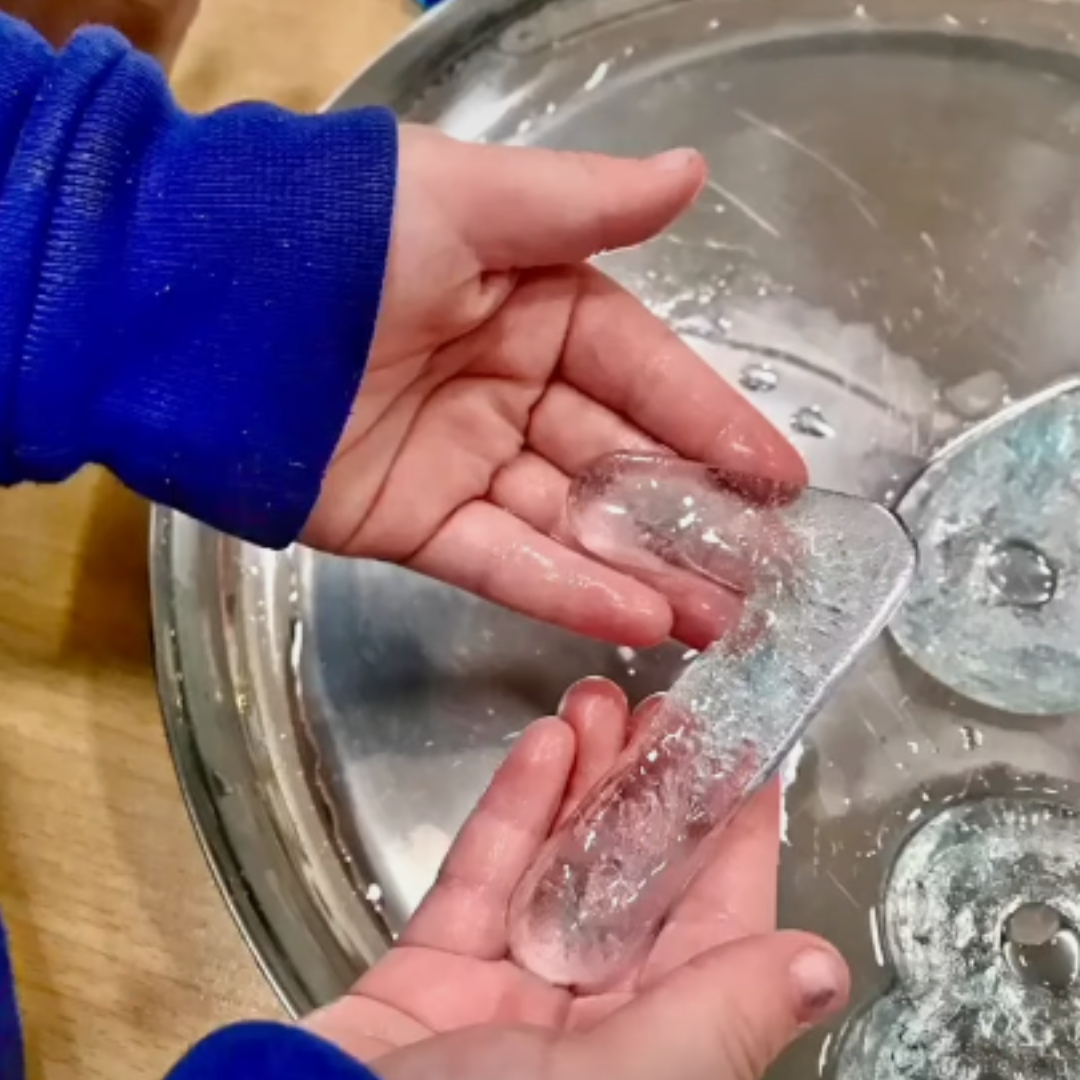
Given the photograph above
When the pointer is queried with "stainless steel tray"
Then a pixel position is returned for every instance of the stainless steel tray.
(891, 235)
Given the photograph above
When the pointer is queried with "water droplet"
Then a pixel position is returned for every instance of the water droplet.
(978, 396)
(1041, 947)
(972, 736)
(220, 785)
(1022, 574)
(759, 378)
(809, 420)
(598, 76)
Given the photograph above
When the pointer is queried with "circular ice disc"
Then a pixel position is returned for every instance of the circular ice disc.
(980, 923)
(995, 609)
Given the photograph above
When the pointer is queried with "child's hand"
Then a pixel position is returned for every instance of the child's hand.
(503, 363)
(718, 998)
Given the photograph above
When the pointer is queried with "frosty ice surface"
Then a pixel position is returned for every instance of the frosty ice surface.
(995, 609)
(821, 574)
(979, 923)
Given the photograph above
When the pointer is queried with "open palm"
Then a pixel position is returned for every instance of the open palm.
(514, 366)
(449, 1001)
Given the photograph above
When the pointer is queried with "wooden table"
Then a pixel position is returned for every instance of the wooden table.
(123, 949)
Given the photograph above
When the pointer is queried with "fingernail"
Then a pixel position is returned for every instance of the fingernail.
(818, 979)
(593, 681)
(674, 160)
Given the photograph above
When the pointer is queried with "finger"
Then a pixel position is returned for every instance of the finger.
(598, 712)
(489, 552)
(622, 356)
(733, 896)
(642, 716)
(465, 912)
(520, 207)
(726, 1015)
(742, 875)
(703, 612)
(572, 430)
(535, 491)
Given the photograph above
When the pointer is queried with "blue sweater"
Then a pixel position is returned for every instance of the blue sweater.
(188, 301)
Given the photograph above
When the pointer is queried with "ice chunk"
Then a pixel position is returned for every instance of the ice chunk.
(821, 574)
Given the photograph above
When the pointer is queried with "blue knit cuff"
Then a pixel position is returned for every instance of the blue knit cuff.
(266, 1051)
(198, 295)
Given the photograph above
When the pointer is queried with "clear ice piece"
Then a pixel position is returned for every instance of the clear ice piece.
(979, 924)
(821, 574)
(994, 613)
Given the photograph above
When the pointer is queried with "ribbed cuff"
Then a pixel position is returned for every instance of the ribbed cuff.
(208, 293)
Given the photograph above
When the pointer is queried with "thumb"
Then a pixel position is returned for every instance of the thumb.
(725, 1015)
(519, 207)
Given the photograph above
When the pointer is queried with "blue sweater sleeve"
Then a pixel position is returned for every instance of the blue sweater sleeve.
(266, 1051)
(188, 301)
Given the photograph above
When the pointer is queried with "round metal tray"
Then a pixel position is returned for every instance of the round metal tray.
(887, 250)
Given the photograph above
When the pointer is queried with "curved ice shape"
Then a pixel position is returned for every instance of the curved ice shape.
(821, 573)
(994, 613)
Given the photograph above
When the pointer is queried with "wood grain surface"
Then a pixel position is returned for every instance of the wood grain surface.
(124, 951)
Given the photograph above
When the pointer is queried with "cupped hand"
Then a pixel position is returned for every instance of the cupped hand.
(503, 363)
(718, 997)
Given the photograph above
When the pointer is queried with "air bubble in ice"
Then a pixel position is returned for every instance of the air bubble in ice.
(821, 574)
